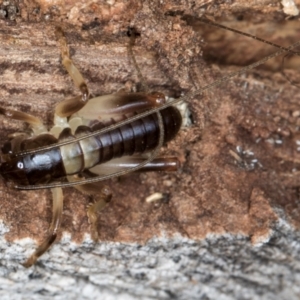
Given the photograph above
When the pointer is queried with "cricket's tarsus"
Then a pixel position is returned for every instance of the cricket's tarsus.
(133, 34)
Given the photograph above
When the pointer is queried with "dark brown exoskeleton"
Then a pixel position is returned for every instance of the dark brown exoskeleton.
(93, 139)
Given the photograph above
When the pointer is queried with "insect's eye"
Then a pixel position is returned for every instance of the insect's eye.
(20, 165)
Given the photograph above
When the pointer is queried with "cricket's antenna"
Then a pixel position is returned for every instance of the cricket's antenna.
(242, 71)
(292, 82)
(209, 22)
(205, 20)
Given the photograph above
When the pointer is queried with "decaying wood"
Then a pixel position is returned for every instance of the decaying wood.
(240, 158)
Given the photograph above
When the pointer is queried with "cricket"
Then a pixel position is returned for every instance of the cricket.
(94, 139)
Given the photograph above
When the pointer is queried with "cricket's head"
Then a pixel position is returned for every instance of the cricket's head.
(12, 169)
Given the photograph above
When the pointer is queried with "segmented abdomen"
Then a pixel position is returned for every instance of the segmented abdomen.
(136, 137)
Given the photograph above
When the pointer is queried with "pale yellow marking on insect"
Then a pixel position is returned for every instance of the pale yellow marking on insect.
(59, 124)
(184, 111)
(74, 123)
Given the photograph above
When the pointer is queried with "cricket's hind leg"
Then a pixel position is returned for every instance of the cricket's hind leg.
(159, 164)
(55, 224)
(70, 106)
(102, 196)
